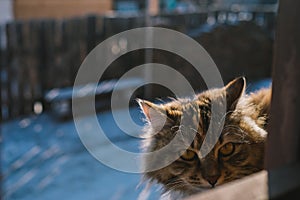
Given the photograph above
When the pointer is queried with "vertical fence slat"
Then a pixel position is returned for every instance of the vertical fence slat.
(33, 61)
(19, 71)
(71, 46)
(13, 63)
(91, 32)
(2, 102)
(54, 50)
(99, 30)
(8, 56)
(2, 88)
(37, 60)
(26, 50)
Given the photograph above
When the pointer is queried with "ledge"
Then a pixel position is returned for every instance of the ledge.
(275, 184)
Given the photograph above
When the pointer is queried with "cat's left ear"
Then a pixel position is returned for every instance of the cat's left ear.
(154, 113)
(234, 90)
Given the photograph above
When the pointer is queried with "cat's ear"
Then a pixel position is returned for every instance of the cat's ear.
(154, 113)
(234, 90)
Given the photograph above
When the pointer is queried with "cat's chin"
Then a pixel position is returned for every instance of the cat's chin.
(179, 195)
(200, 189)
(195, 189)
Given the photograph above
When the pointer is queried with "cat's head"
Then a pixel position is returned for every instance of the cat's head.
(238, 151)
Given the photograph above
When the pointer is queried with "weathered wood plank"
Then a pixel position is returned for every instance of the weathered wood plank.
(3, 82)
(283, 144)
(99, 30)
(280, 183)
(254, 187)
(14, 43)
(54, 50)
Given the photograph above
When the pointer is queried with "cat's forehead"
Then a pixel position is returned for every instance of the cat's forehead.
(193, 113)
(186, 104)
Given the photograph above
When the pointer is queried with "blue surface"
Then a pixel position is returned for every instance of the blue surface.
(254, 86)
(44, 159)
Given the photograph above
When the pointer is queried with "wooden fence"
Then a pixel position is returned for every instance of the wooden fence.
(44, 54)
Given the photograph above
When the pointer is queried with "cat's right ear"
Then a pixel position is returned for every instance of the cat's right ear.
(234, 90)
(154, 113)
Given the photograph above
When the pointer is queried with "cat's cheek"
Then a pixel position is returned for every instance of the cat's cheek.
(178, 168)
(177, 171)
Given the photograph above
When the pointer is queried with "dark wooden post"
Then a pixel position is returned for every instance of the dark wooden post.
(283, 142)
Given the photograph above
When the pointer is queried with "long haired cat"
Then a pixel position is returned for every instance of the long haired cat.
(238, 152)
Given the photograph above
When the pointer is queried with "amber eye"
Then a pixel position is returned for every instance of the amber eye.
(227, 149)
(188, 155)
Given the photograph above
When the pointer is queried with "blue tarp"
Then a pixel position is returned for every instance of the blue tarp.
(43, 158)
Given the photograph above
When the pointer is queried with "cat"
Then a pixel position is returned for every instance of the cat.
(238, 152)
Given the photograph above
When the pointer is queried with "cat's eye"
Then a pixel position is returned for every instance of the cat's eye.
(188, 155)
(227, 149)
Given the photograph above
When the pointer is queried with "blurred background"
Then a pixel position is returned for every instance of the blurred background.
(44, 42)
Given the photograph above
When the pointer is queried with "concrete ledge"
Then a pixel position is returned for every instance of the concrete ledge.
(281, 183)
(253, 187)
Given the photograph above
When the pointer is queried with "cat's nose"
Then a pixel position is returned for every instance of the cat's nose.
(212, 180)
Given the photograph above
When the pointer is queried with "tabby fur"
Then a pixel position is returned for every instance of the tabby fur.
(238, 152)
